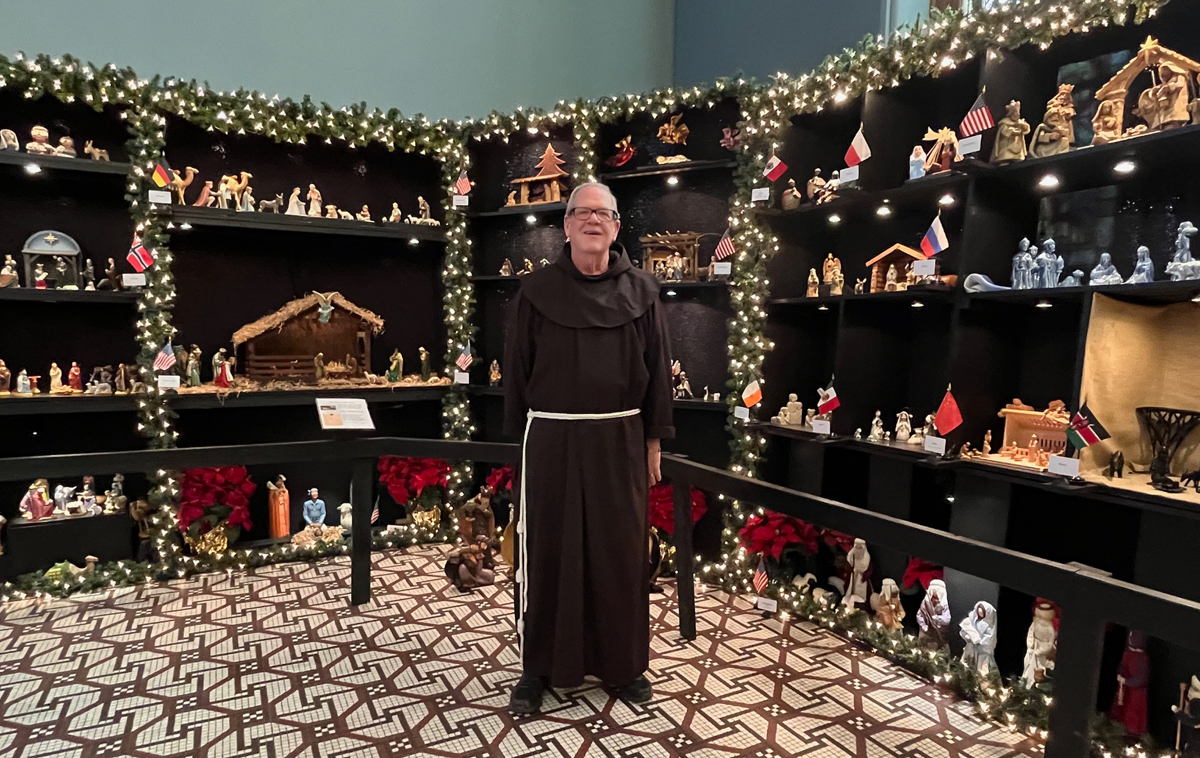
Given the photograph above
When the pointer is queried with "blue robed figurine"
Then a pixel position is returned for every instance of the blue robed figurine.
(314, 508)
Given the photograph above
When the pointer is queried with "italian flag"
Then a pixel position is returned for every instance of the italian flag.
(859, 149)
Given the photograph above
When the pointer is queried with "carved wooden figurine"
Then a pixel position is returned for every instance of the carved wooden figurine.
(1011, 133)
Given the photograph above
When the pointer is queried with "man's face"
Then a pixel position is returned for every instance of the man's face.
(592, 235)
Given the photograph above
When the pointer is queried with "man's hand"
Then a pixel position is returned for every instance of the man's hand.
(654, 460)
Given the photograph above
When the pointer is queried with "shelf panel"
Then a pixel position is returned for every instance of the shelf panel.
(495, 279)
(1154, 293)
(668, 168)
(218, 219)
(83, 165)
(47, 404)
(701, 405)
(914, 194)
(933, 292)
(31, 295)
(520, 210)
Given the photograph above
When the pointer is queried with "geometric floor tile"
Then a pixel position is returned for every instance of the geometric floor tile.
(275, 662)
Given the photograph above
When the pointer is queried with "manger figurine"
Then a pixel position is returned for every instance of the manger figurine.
(1056, 132)
(814, 284)
(9, 278)
(5, 379)
(295, 206)
(903, 426)
(815, 186)
(426, 372)
(1143, 268)
(1183, 266)
(830, 269)
(96, 153)
(314, 508)
(673, 133)
(1129, 706)
(314, 200)
(494, 374)
(546, 186)
(506, 268)
(395, 370)
(280, 507)
(791, 196)
(944, 152)
(271, 205)
(66, 148)
(206, 197)
(978, 630)
(916, 163)
(364, 214)
(625, 152)
(876, 434)
(40, 144)
(36, 503)
(110, 281)
(790, 414)
(180, 182)
(1011, 133)
(859, 560)
(889, 612)
(1105, 272)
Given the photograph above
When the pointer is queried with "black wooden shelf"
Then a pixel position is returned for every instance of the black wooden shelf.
(520, 210)
(82, 165)
(667, 168)
(495, 279)
(24, 524)
(694, 404)
(1153, 293)
(280, 222)
(694, 285)
(484, 390)
(932, 292)
(47, 404)
(917, 194)
(32, 295)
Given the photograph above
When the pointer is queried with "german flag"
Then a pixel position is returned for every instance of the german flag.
(162, 174)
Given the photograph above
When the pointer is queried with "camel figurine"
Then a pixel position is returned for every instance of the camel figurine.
(235, 187)
(180, 183)
(96, 153)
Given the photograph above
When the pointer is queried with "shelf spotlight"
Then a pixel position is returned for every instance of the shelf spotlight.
(32, 168)
(884, 210)
(672, 180)
(839, 97)
(947, 200)
(1049, 181)
(1044, 304)
(185, 226)
(1125, 167)
(531, 129)
(670, 293)
(822, 307)
(835, 219)
(531, 219)
(414, 242)
(918, 304)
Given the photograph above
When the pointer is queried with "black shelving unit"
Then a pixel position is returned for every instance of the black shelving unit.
(272, 222)
(667, 169)
(57, 163)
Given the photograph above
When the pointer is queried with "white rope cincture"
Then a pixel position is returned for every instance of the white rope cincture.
(523, 568)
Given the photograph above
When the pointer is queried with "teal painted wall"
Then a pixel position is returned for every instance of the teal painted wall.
(443, 58)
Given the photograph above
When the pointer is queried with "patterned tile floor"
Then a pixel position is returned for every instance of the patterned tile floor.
(276, 663)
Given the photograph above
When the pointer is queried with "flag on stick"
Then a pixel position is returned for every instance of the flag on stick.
(829, 400)
(463, 185)
(859, 149)
(935, 240)
(978, 119)
(1085, 429)
(775, 168)
(464, 359)
(161, 176)
(165, 358)
(139, 257)
(760, 577)
(948, 416)
(724, 247)
(752, 394)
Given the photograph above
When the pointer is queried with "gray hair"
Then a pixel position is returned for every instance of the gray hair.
(596, 185)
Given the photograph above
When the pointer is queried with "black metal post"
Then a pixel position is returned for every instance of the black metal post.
(362, 480)
(686, 583)
(1076, 682)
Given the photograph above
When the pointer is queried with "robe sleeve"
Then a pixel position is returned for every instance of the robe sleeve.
(518, 365)
(657, 408)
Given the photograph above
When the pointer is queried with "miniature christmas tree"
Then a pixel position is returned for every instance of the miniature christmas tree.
(550, 163)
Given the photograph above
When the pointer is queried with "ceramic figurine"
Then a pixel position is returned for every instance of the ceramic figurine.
(1105, 272)
(526, 268)
(1143, 269)
(41, 279)
(1183, 266)
(1075, 279)
(838, 283)
(987, 443)
(494, 374)
(1041, 644)
(9, 279)
(625, 152)
(506, 268)
(815, 185)
(364, 214)
(791, 196)
(930, 429)
(828, 193)
(223, 375)
(426, 372)
(903, 426)
(314, 508)
(1022, 267)
(814, 284)
(684, 389)
(889, 612)
(395, 217)
(295, 206)
(224, 192)
(24, 386)
(1011, 133)
(730, 138)
(319, 366)
(180, 182)
(860, 286)
(66, 148)
(100, 382)
(944, 152)
(1129, 706)
(121, 380)
(423, 210)
(75, 377)
(859, 561)
(206, 197)
(346, 516)
(5, 379)
(271, 205)
(314, 200)
(193, 367)
(280, 507)
(791, 412)
(41, 142)
(858, 433)
(395, 370)
(36, 503)
(89, 276)
(217, 361)
(1048, 266)
(916, 163)
(331, 211)
(978, 630)
(933, 617)
(56, 382)
(8, 140)
(238, 186)
(1053, 135)
(876, 434)
(65, 502)
(830, 268)
(891, 280)
(96, 153)
(1188, 715)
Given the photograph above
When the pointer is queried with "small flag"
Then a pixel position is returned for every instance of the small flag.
(775, 168)
(463, 185)
(752, 394)
(859, 149)
(139, 257)
(978, 119)
(829, 400)
(948, 416)
(724, 247)
(165, 358)
(464, 359)
(375, 512)
(760, 577)
(162, 174)
(935, 240)
(1085, 429)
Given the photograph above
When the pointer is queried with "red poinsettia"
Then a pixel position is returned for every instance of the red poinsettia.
(408, 477)
(501, 479)
(212, 495)
(920, 570)
(662, 506)
(837, 540)
(772, 533)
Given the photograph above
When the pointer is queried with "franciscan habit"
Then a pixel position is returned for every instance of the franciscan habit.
(581, 345)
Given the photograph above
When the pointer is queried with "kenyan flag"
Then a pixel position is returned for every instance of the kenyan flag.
(1085, 429)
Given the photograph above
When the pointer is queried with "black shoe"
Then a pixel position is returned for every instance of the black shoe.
(637, 691)
(526, 697)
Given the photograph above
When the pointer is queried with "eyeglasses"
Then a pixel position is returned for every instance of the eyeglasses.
(583, 214)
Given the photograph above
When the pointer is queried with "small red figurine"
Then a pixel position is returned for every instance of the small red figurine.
(75, 377)
(1129, 704)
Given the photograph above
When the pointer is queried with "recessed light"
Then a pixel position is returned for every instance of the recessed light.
(1044, 304)
(823, 307)
(32, 168)
(1125, 167)
(670, 293)
(947, 200)
(185, 226)
(531, 129)
(672, 180)
(835, 219)
(531, 219)
(414, 242)
(1049, 181)
(839, 97)
(883, 211)
(918, 304)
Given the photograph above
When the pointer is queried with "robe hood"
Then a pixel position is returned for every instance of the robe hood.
(570, 298)
(989, 616)
(1194, 689)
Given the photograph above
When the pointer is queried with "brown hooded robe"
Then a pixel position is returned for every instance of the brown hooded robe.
(587, 344)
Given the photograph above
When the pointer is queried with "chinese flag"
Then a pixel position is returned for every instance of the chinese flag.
(948, 416)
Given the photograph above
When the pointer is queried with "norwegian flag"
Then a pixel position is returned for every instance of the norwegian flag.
(139, 257)
(760, 577)
(463, 185)
(724, 247)
(978, 119)
(165, 358)
(464, 359)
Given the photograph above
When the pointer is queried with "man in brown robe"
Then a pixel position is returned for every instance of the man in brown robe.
(589, 384)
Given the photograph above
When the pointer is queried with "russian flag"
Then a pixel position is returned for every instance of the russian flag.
(935, 240)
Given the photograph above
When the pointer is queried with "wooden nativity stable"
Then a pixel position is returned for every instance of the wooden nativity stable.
(281, 346)
(900, 256)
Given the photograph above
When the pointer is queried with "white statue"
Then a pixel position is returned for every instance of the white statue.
(933, 617)
(347, 517)
(1143, 268)
(859, 560)
(1049, 266)
(295, 204)
(1022, 266)
(876, 434)
(1105, 272)
(978, 630)
(930, 429)
(903, 426)
(1041, 644)
(790, 414)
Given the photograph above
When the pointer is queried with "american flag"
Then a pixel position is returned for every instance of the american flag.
(464, 359)
(139, 257)
(165, 358)
(724, 247)
(760, 577)
(463, 185)
(375, 512)
(978, 119)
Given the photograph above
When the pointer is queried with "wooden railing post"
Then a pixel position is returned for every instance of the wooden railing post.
(685, 582)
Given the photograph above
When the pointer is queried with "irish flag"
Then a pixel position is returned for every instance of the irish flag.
(935, 240)
(752, 394)
(859, 149)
